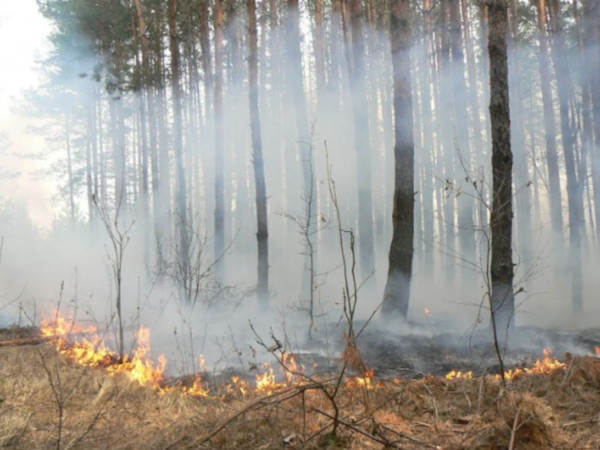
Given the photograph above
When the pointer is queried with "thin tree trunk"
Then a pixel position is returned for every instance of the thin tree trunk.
(574, 192)
(219, 141)
(70, 170)
(428, 145)
(550, 136)
(587, 131)
(183, 258)
(295, 75)
(319, 48)
(356, 68)
(461, 113)
(139, 31)
(88, 165)
(262, 235)
(519, 148)
(93, 136)
(591, 32)
(446, 150)
(473, 79)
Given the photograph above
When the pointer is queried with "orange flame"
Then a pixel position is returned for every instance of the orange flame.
(292, 369)
(363, 382)
(542, 366)
(238, 385)
(458, 375)
(266, 382)
(141, 367)
(197, 389)
(86, 347)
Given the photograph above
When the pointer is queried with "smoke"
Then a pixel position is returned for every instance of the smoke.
(85, 125)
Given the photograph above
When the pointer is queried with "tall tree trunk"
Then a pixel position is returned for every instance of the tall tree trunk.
(591, 32)
(319, 48)
(295, 75)
(461, 113)
(141, 39)
(262, 235)
(556, 218)
(397, 288)
(473, 78)
(101, 153)
(219, 141)
(335, 75)
(587, 131)
(118, 142)
(356, 69)
(237, 182)
(150, 80)
(519, 147)
(446, 151)
(183, 258)
(574, 192)
(89, 166)
(502, 296)
(206, 55)
(93, 138)
(428, 144)
(71, 182)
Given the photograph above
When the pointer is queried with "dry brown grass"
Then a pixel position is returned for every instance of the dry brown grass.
(554, 411)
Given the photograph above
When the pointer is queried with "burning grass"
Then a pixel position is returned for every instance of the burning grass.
(46, 396)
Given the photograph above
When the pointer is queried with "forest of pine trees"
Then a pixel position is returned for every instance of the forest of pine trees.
(215, 126)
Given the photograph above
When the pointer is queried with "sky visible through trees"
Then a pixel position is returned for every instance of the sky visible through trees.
(194, 127)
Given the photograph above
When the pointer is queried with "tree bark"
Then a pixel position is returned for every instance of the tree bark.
(262, 286)
(356, 68)
(319, 49)
(295, 75)
(466, 231)
(519, 147)
(71, 182)
(591, 32)
(397, 289)
(554, 190)
(574, 191)
(428, 144)
(181, 189)
(219, 223)
(502, 300)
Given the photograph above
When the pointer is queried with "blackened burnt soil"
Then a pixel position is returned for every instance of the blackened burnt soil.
(425, 352)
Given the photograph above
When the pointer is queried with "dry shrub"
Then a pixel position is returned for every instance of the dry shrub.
(351, 355)
(583, 371)
(530, 418)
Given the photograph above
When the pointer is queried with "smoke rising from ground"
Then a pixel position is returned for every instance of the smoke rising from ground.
(75, 115)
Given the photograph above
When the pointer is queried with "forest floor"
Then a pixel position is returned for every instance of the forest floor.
(49, 401)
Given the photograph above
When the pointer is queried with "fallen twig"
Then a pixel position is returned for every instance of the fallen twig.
(515, 427)
(409, 437)
(260, 402)
(352, 427)
(24, 341)
(580, 422)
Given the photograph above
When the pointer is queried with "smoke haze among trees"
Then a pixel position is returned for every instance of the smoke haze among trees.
(165, 117)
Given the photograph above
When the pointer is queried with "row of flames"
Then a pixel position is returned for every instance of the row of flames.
(545, 365)
(86, 346)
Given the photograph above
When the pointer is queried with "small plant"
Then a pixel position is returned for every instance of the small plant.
(118, 233)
